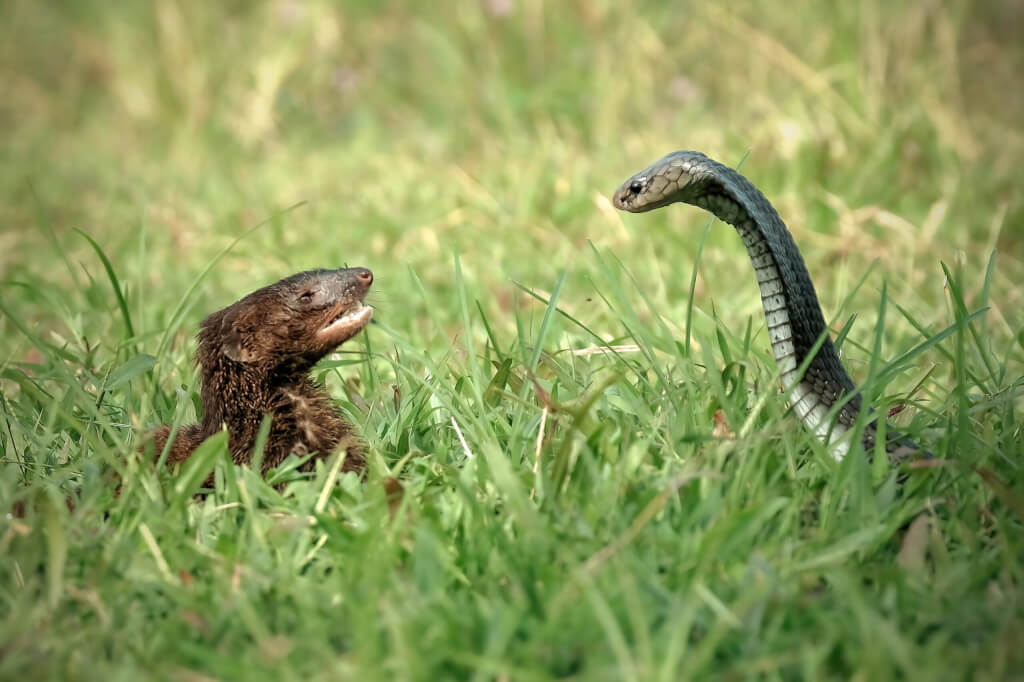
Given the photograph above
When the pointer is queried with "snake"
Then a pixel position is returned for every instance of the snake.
(792, 311)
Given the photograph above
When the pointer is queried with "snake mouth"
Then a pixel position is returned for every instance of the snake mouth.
(621, 200)
(348, 322)
(625, 197)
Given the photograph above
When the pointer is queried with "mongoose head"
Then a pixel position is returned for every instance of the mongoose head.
(294, 322)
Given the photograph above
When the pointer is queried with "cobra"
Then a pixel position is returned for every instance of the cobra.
(791, 308)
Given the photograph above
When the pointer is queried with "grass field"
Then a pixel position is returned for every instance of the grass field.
(653, 513)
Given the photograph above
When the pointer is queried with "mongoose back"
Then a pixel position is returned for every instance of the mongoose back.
(255, 357)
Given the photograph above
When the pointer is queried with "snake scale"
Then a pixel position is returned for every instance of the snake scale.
(791, 308)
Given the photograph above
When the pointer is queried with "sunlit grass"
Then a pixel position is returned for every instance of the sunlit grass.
(599, 478)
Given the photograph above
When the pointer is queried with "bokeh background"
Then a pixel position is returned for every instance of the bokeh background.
(496, 129)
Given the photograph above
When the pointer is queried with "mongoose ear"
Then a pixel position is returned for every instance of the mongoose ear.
(232, 345)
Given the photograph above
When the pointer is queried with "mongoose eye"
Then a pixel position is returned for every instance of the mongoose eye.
(306, 298)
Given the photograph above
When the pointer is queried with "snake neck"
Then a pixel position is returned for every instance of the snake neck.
(793, 316)
(792, 312)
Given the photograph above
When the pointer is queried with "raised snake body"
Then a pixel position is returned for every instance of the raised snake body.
(792, 312)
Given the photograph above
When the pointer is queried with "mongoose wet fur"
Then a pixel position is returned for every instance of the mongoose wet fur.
(255, 357)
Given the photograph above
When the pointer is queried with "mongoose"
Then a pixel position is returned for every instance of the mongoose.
(254, 358)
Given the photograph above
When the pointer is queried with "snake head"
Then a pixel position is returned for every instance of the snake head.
(675, 177)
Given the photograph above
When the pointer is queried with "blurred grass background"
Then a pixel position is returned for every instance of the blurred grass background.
(879, 131)
(886, 133)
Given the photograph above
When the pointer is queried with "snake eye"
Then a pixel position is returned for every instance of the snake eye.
(636, 186)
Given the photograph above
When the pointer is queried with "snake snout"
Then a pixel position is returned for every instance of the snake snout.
(625, 196)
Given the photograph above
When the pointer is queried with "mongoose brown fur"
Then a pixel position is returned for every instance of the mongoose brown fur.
(254, 358)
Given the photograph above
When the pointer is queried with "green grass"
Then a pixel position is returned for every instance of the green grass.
(652, 513)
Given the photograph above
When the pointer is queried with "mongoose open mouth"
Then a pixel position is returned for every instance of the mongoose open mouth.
(349, 322)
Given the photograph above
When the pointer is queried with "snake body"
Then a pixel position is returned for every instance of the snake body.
(791, 308)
